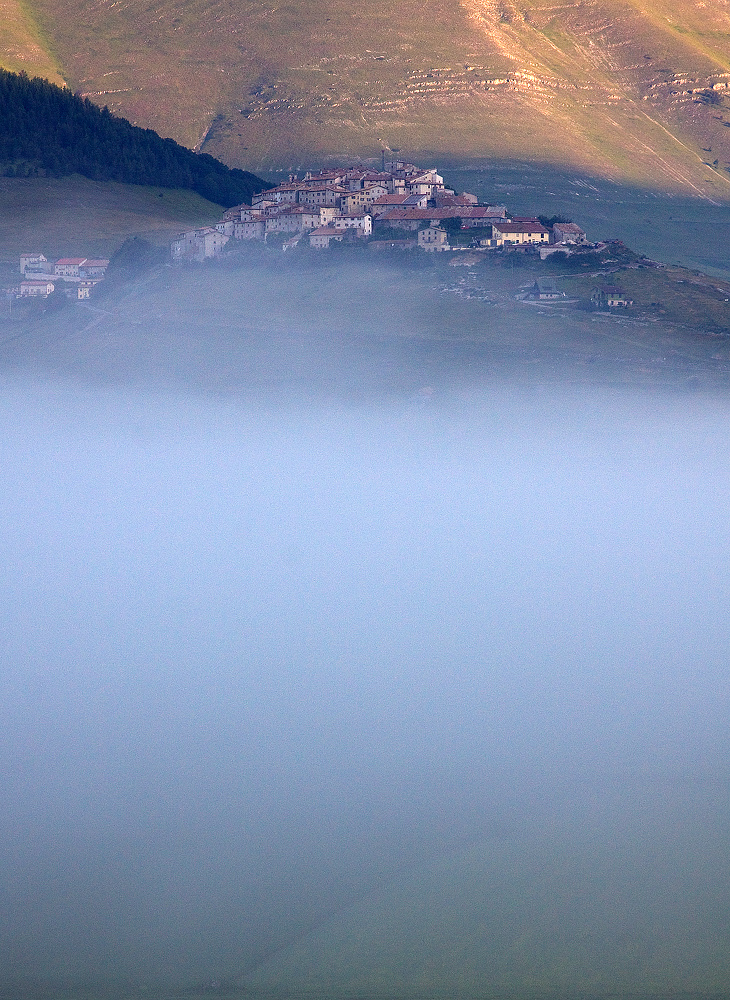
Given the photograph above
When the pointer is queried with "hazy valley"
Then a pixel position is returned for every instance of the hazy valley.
(374, 656)
(364, 625)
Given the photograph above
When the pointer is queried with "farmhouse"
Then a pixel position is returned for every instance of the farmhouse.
(568, 232)
(612, 297)
(546, 289)
(433, 238)
(30, 262)
(34, 288)
(519, 232)
(94, 268)
(68, 267)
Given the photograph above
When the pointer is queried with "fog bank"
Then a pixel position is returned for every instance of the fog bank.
(272, 671)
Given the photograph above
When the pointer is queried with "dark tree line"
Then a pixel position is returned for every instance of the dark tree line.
(48, 131)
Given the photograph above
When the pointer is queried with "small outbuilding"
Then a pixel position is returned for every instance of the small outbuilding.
(545, 289)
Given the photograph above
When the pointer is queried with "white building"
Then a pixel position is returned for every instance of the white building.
(433, 238)
(68, 267)
(198, 244)
(30, 261)
(35, 288)
(568, 232)
(363, 223)
(322, 237)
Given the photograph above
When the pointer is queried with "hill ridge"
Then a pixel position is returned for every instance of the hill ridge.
(47, 131)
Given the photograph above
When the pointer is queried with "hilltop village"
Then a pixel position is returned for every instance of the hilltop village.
(400, 206)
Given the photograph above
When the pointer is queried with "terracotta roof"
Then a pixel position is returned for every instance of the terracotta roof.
(451, 199)
(391, 199)
(448, 212)
(71, 260)
(520, 227)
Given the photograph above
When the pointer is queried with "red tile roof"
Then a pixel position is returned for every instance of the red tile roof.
(520, 227)
(391, 199)
(448, 212)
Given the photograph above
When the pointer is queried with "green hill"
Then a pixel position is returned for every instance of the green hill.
(628, 89)
(47, 131)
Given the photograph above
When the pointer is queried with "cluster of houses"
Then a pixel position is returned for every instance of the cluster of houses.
(41, 276)
(401, 204)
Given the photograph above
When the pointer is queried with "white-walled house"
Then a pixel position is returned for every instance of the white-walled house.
(68, 267)
(433, 238)
(93, 268)
(28, 260)
(253, 229)
(198, 244)
(322, 237)
(36, 288)
(363, 223)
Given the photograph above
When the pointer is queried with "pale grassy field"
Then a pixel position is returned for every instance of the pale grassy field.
(73, 215)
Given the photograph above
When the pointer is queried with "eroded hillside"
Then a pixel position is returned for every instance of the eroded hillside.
(628, 89)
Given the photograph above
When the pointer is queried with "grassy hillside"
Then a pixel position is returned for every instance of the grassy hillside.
(74, 215)
(22, 46)
(622, 88)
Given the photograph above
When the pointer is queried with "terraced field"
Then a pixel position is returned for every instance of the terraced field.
(624, 89)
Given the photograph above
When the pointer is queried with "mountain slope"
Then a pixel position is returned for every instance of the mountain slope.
(622, 88)
(22, 47)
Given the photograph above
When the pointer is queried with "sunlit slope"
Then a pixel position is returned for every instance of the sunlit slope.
(22, 47)
(633, 908)
(622, 88)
